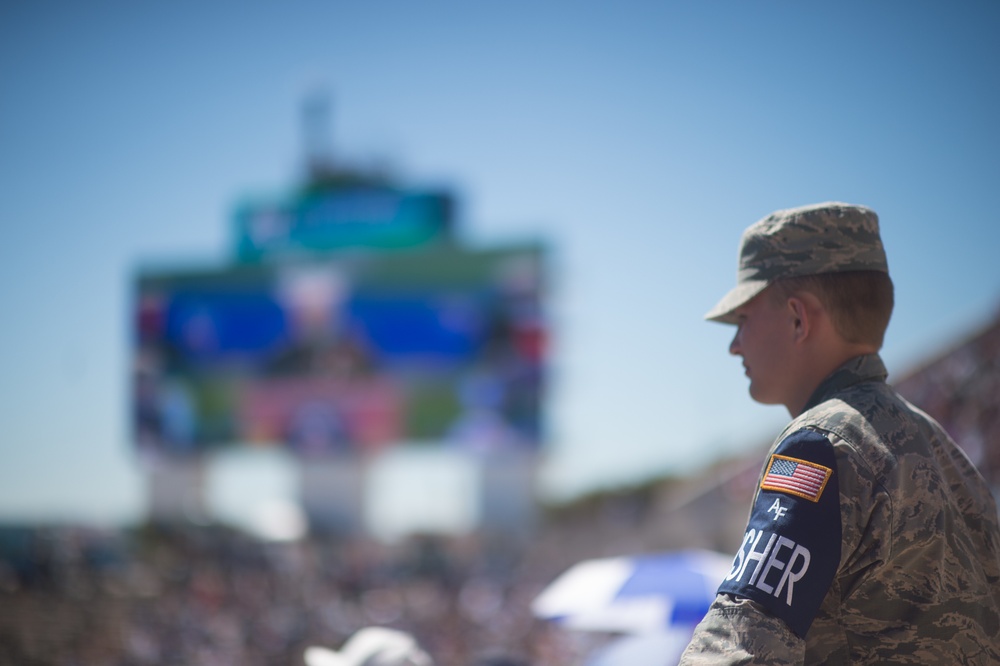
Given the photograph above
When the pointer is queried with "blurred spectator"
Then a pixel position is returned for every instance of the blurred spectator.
(371, 646)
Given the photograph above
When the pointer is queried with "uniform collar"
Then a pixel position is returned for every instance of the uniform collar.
(866, 368)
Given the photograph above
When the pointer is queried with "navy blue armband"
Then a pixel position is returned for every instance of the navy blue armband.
(791, 550)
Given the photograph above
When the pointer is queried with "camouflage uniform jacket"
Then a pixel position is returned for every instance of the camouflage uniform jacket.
(872, 540)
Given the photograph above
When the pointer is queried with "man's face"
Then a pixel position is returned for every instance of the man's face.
(764, 338)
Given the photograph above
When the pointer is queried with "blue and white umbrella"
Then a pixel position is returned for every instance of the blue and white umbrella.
(639, 594)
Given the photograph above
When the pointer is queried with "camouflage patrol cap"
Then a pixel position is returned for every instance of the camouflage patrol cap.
(822, 238)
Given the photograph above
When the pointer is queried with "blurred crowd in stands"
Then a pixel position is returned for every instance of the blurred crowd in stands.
(209, 595)
(212, 596)
(961, 390)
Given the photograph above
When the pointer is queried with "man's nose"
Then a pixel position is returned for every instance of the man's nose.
(734, 346)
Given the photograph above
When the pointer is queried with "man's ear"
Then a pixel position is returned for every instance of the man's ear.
(799, 318)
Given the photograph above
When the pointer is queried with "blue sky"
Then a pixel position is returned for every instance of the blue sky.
(637, 138)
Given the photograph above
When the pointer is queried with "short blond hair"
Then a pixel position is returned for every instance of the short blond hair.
(859, 302)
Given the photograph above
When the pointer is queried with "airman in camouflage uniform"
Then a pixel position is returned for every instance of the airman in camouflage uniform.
(872, 539)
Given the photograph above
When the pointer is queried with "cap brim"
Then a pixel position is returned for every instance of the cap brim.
(740, 294)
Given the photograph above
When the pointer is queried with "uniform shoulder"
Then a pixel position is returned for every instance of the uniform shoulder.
(858, 423)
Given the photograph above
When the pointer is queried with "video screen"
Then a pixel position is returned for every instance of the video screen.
(343, 355)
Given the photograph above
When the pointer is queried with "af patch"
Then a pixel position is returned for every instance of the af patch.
(791, 549)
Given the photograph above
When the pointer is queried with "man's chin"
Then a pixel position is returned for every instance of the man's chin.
(762, 397)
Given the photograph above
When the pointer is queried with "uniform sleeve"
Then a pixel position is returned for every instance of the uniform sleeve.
(739, 631)
(784, 567)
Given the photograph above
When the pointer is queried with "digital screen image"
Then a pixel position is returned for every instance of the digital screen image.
(343, 355)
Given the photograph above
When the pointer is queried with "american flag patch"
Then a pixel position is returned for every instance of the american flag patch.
(796, 477)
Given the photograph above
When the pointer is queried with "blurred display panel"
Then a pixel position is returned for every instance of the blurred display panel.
(359, 217)
(343, 355)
